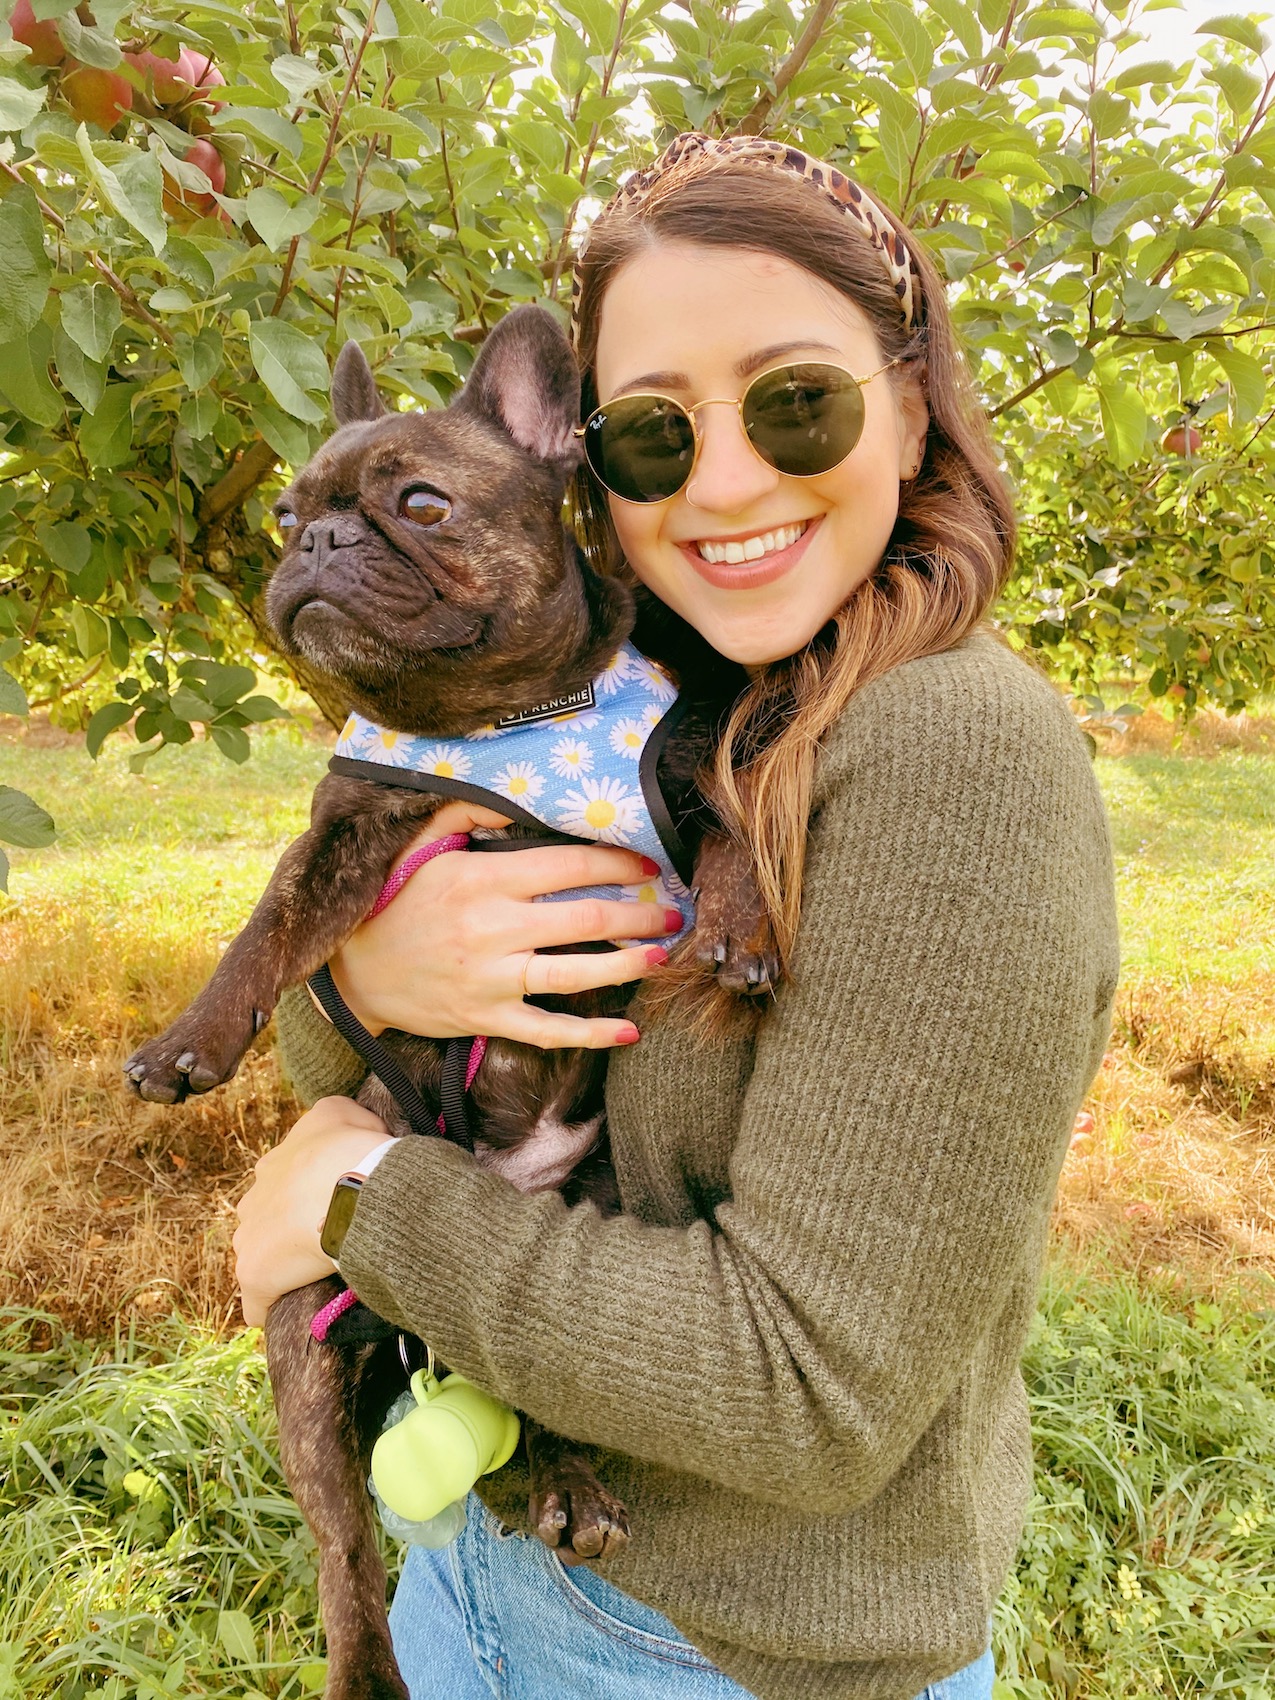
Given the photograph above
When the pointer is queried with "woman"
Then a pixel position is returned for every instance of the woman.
(796, 1351)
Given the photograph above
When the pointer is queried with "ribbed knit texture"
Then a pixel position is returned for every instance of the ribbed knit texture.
(796, 1352)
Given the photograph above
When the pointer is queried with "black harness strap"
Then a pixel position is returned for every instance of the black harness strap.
(385, 1066)
(455, 1067)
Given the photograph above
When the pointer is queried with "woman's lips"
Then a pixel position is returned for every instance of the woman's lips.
(748, 575)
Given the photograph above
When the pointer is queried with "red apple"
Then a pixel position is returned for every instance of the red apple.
(96, 96)
(204, 75)
(40, 35)
(169, 79)
(1182, 440)
(182, 203)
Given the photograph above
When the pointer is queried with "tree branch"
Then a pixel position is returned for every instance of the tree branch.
(804, 46)
(233, 488)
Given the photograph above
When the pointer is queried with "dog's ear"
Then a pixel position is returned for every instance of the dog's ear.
(354, 388)
(526, 379)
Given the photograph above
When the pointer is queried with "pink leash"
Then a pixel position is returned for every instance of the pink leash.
(322, 1321)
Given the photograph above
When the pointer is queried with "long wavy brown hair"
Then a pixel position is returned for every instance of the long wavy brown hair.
(947, 558)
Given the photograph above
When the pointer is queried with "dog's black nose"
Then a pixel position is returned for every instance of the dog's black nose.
(333, 531)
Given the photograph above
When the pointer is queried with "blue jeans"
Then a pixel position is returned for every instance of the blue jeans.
(496, 1614)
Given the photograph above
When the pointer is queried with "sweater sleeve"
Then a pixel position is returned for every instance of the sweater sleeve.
(314, 1057)
(913, 1091)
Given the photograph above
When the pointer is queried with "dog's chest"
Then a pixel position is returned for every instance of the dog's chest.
(545, 1159)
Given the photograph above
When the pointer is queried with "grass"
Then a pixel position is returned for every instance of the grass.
(147, 1544)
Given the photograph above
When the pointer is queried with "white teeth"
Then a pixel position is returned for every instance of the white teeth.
(752, 548)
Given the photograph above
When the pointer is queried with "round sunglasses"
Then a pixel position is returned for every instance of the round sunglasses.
(802, 419)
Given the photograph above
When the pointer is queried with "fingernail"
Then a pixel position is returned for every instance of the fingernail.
(656, 954)
(627, 1036)
(672, 920)
(650, 867)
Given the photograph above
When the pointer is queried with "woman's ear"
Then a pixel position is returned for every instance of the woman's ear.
(914, 422)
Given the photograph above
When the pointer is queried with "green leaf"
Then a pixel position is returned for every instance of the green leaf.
(272, 127)
(24, 376)
(297, 76)
(67, 545)
(106, 435)
(103, 723)
(261, 708)
(92, 634)
(1247, 380)
(1234, 28)
(91, 315)
(1240, 87)
(13, 699)
(86, 379)
(200, 413)
(1124, 422)
(289, 363)
(276, 220)
(288, 439)
(198, 357)
(4, 886)
(25, 269)
(232, 741)
(1150, 71)
(133, 187)
(18, 104)
(23, 822)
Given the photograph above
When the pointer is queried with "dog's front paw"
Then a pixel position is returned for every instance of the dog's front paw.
(749, 965)
(187, 1058)
(734, 939)
(575, 1515)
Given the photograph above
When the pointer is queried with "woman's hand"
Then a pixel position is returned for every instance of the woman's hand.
(277, 1242)
(453, 953)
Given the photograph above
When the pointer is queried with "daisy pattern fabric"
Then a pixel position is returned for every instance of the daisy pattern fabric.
(582, 765)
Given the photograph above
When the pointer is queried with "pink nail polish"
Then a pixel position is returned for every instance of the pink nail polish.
(656, 954)
(627, 1036)
(672, 920)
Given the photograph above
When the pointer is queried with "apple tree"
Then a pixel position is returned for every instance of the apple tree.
(201, 202)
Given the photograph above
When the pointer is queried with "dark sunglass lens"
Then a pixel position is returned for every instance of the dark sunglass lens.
(804, 419)
(641, 447)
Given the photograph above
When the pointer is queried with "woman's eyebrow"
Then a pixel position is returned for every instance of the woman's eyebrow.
(743, 368)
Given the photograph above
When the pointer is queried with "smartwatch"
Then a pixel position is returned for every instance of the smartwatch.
(345, 1195)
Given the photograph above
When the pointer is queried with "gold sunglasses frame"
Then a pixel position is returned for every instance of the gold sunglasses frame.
(737, 402)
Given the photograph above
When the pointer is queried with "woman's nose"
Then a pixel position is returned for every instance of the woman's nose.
(729, 473)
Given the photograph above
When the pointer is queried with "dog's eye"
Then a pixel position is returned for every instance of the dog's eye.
(285, 519)
(424, 507)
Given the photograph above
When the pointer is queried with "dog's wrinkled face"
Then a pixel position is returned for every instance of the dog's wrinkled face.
(425, 566)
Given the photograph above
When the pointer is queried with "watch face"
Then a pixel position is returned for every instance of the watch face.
(345, 1195)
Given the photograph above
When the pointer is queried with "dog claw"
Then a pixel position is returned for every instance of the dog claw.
(259, 1019)
(185, 1062)
(719, 954)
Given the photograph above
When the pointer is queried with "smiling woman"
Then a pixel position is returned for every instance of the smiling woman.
(794, 1353)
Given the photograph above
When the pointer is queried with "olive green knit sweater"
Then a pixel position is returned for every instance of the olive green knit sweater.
(796, 1352)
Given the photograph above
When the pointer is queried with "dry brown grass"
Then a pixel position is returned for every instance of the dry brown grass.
(1208, 734)
(1176, 1178)
(109, 1205)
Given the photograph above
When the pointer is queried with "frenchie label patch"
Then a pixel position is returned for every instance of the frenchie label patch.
(572, 703)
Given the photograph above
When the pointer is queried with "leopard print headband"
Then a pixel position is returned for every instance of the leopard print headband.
(775, 156)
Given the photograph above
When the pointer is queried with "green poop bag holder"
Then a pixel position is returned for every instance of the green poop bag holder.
(439, 1437)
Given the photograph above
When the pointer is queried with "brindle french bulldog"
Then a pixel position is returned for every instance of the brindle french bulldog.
(427, 572)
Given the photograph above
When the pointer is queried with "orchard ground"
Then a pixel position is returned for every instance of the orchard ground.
(148, 1530)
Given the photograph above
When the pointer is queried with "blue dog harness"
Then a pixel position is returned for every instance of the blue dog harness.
(582, 766)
